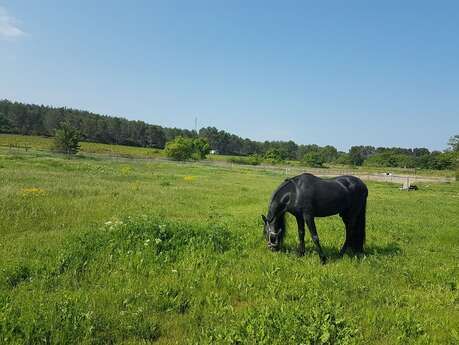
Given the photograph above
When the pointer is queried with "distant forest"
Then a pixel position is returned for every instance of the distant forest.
(29, 119)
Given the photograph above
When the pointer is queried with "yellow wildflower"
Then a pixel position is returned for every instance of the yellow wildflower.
(33, 191)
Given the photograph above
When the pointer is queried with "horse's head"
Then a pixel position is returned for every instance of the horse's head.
(274, 233)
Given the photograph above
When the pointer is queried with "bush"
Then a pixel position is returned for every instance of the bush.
(250, 160)
(439, 161)
(343, 159)
(274, 156)
(67, 139)
(389, 159)
(182, 148)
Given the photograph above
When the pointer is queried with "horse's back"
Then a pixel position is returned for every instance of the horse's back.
(353, 183)
(331, 196)
(349, 182)
(356, 189)
(321, 197)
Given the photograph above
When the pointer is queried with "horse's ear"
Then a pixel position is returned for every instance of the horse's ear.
(265, 220)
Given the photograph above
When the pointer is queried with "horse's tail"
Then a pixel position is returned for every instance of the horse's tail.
(357, 239)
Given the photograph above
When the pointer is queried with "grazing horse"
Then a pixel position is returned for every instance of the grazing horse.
(307, 196)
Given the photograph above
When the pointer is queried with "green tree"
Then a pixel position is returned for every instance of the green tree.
(442, 160)
(329, 153)
(420, 151)
(200, 148)
(289, 149)
(314, 159)
(67, 139)
(4, 124)
(358, 154)
(454, 143)
(390, 159)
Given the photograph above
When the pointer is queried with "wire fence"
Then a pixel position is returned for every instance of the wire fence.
(405, 179)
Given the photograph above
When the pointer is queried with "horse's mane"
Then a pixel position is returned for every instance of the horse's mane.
(282, 185)
(281, 222)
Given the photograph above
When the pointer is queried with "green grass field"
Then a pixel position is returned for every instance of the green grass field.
(97, 250)
(37, 143)
(45, 144)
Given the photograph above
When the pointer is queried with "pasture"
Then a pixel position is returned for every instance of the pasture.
(17, 143)
(97, 250)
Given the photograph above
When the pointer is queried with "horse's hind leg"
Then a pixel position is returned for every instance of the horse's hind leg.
(352, 224)
(315, 238)
(345, 218)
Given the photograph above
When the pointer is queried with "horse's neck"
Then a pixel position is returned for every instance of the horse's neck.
(276, 208)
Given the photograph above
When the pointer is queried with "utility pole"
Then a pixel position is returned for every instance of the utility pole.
(196, 124)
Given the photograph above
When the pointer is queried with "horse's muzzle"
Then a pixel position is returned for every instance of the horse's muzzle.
(273, 242)
(273, 246)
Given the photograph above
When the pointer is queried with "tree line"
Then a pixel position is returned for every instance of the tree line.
(30, 119)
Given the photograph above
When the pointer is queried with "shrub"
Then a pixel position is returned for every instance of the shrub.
(182, 148)
(67, 139)
(343, 159)
(274, 156)
(389, 159)
(250, 160)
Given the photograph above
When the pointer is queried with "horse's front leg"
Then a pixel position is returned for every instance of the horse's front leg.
(315, 238)
(300, 222)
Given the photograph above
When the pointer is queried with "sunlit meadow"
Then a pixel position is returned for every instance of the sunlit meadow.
(96, 250)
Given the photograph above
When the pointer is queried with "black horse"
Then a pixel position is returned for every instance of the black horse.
(307, 196)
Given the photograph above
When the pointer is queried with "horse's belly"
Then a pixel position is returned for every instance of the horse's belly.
(327, 213)
(329, 207)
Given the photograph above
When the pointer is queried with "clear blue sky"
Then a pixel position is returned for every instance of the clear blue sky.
(343, 73)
